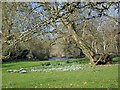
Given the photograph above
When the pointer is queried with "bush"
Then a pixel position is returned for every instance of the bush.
(14, 52)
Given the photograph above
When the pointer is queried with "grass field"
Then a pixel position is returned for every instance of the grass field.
(59, 74)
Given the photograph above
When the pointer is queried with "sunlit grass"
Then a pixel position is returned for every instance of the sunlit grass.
(105, 76)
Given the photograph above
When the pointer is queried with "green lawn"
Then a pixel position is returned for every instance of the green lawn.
(89, 76)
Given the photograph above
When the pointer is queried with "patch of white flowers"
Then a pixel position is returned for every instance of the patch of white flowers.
(63, 68)
(22, 70)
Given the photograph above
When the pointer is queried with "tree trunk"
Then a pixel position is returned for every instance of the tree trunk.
(101, 59)
(89, 52)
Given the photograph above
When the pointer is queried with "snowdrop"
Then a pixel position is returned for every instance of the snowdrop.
(35, 69)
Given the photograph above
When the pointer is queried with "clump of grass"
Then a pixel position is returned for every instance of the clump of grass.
(59, 64)
(68, 61)
(46, 64)
(116, 58)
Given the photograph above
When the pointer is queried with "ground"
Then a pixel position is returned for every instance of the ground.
(83, 75)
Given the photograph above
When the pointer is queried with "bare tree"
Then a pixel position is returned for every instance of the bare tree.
(71, 15)
(83, 21)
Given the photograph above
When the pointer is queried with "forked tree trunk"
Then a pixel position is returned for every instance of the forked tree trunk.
(101, 59)
(86, 50)
(89, 52)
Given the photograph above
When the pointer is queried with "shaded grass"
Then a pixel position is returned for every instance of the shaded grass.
(26, 64)
(90, 77)
(116, 59)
